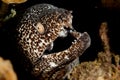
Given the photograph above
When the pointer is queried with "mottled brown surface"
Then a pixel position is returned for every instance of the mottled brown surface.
(57, 22)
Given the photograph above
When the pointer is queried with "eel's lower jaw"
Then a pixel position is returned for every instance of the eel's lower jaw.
(82, 39)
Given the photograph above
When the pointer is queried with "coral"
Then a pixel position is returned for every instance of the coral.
(14, 1)
(6, 70)
(102, 68)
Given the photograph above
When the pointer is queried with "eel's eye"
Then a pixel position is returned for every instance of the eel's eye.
(40, 28)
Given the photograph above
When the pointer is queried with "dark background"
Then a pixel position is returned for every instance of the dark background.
(87, 16)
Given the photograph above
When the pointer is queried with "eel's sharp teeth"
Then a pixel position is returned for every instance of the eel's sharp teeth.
(50, 46)
(79, 36)
(75, 40)
(72, 42)
(63, 33)
(71, 31)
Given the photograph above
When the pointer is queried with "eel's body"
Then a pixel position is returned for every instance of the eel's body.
(40, 26)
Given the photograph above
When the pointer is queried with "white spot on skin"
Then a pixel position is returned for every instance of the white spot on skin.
(42, 41)
(37, 69)
(40, 44)
(66, 51)
(29, 41)
(36, 51)
(70, 20)
(49, 7)
(32, 35)
(52, 64)
(66, 57)
(48, 34)
(44, 56)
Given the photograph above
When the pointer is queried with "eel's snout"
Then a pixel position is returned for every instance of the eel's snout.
(86, 38)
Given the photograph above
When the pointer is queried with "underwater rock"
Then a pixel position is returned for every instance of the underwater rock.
(38, 29)
(6, 70)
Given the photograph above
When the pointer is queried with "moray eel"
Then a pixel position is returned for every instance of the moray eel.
(39, 27)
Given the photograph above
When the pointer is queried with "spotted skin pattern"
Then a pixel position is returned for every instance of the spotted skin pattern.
(34, 40)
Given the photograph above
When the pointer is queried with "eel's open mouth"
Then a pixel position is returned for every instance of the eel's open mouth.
(63, 42)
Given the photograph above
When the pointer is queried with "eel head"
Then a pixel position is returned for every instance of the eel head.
(38, 30)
